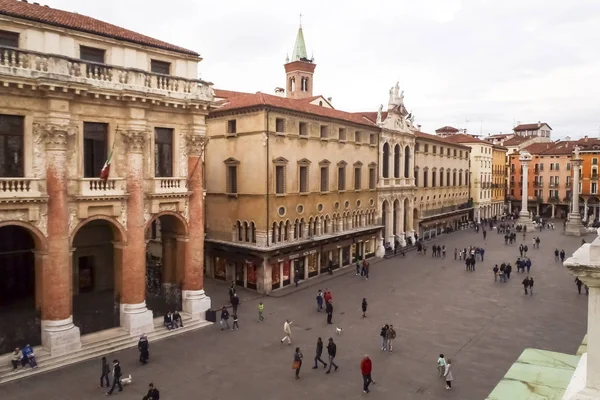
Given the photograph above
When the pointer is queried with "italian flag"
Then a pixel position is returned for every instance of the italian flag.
(106, 169)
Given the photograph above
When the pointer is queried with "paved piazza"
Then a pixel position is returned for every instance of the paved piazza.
(434, 304)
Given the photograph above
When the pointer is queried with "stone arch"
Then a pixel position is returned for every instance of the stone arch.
(287, 226)
(252, 232)
(118, 230)
(246, 228)
(385, 165)
(397, 160)
(177, 216)
(38, 237)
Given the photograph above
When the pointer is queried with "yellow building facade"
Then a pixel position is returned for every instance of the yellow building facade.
(499, 179)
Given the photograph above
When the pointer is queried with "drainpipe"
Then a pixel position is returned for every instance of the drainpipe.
(267, 181)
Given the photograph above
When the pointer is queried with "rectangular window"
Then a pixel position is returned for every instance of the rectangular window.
(232, 126)
(342, 134)
(303, 180)
(324, 179)
(302, 129)
(551, 166)
(434, 149)
(341, 178)
(425, 178)
(426, 148)
(279, 179)
(556, 180)
(594, 187)
(232, 179)
(357, 178)
(417, 147)
(461, 154)
(279, 125)
(357, 136)
(372, 178)
(594, 161)
(324, 132)
(454, 152)
(372, 139)
(9, 39)
(160, 67)
(568, 166)
(163, 152)
(92, 54)
(95, 144)
(11, 146)
(416, 177)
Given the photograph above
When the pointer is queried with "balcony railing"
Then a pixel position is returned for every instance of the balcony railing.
(554, 185)
(168, 185)
(446, 209)
(568, 184)
(30, 64)
(538, 184)
(18, 188)
(594, 177)
(96, 187)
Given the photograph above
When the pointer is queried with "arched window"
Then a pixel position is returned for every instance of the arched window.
(246, 231)
(253, 231)
(280, 232)
(325, 228)
(301, 227)
(286, 232)
(434, 177)
(306, 84)
(274, 233)
(386, 160)
(316, 224)
(296, 229)
(416, 176)
(310, 227)
(460, 177)
(425, 177)
(406, 161)
(397, 161)
(441, 177)
(448, 177)
(454, 177)
(467, 177)
(292, 84)
(239, 231)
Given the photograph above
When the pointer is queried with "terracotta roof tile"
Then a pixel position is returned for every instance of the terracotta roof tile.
(65, 19)
(227, 94)
(262, 99)
(463, 138)
(539, 148)
(440, 139)
(447, 129)
(529, 127)
(372, 115)
(514, 141)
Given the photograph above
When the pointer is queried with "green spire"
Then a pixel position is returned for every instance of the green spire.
(299, 47)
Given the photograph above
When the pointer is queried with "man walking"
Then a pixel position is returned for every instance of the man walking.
(390, 336)
(106, 371)
(320, 300)
(495, 272)
(116, 378)
(287, 330)
(235, 302)
(143, 347)
(329, 311)
(577, 282)
(224, 317)
(261, 309)
(331, 350)
(555, 255)
(318, 354)
(365, 368)
(525, 283)
(562, 256)
(153, 393)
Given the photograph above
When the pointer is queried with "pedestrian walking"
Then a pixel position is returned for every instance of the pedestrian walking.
(287, 330)
(366, 266)
(318, 354)
(358, 270)
(383, 335)
(579, 284)
(364, 307)
(231, 291)
(105, 372)
(144, 349)
(530, 286)
(332, 351)
(297, 362)
(448, 374)
(508, 270)
(235, 321)
(319, 300)
(235, 302)
(390, 336)
(153, 393)
(556, 257)
(495, 269)
(441, 365)
(562, 256)
(116, 378)
(329, 311)
(261, 310)
(366, 367)
(455, 253)
(224, 318)
(525, 284)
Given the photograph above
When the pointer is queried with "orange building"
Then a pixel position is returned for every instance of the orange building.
(588, 183)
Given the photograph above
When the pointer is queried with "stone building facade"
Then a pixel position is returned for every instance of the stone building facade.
(499, 180)
(73, 252)
(441, 173)
(291, 184)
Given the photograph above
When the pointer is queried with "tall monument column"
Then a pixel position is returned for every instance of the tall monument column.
(135, 316)
(524, 218)
(195, 301)
(574, 226)
(59, 335)
(585, 264)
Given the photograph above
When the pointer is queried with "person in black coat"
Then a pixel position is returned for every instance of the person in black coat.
(143, 347)
(235, 302)
(153, 393)
(116, 378)
(332, 351)
(105, 373)
(364, 307)
(329, 311)
(318, 354)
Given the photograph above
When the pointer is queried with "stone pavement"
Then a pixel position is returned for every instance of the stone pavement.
(435, 305)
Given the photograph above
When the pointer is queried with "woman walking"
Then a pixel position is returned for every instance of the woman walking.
(364, 307)
(448, 374)
(297, 362)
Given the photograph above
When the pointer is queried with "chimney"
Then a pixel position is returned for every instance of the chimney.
(329, 99)
(419, 127)
(539, 124)
(279, 91)
(585, 138)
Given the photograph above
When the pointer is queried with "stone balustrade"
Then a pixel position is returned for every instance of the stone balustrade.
(56, 68)
(96, 187)
(168, 185)
(18, 187)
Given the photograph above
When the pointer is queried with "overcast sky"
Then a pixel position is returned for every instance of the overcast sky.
(475, 64)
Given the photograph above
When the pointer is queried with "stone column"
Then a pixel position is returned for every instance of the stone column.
(585, 264)
(574, 226)
(524, 218)
(195, 301)
(135, 316)
(585, 209)
(553, 210)
(389, 224)
(59, 335)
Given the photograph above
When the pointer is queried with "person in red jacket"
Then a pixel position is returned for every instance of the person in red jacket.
(327, 295)
(365, 369)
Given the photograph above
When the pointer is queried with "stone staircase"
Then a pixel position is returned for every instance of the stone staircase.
(93, 346)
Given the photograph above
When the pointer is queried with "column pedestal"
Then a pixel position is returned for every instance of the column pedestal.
(136, 319)
(402, 240)
(525, 220)
(380, 252)
(60, 336)
(195, 303)
(574, 226)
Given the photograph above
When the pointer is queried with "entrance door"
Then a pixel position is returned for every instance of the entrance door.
(239, 274)
(299, 268)
(86, 274)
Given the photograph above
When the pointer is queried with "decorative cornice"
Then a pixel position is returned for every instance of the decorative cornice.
(196, 144)
(135, 139)
(54, 136)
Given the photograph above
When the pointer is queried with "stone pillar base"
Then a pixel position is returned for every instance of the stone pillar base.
(60, 337)
(136, 319)
(402, 240)
(195, 303)
(577, 389)
(574, 226)
(380, 252)
(525, 220)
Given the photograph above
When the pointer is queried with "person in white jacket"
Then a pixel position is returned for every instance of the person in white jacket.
(448, 374)
(287, 330)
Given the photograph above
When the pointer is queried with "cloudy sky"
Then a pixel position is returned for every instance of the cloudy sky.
(483, 65)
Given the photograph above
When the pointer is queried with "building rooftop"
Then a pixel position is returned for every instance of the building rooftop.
(447, 129)
(529, 127)
(65, 19)
(435, 138)
(464, 138)
(238, 100)
(541, 148)
(516, 140)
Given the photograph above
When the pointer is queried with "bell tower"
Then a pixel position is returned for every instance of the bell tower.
(299, 70)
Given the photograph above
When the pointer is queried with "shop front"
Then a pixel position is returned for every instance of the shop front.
(430, 228)
(227, 265)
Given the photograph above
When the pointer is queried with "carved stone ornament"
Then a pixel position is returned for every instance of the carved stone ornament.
(135, 139)
(14, 215)
(73, 220)
(146, 213)
(42, 222)
(123, 216)
(196, 144)
(183, 160)
(167, 207)
(54, 136)
(186, 211)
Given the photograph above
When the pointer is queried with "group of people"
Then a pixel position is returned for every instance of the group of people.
(362, 268)
(503, 272)
(388, 334)
(438, 251)
(23, 357)
(298, 356)
(559, 255)
(117, 374)
(172, 320)
(444, 366)
(326, 298)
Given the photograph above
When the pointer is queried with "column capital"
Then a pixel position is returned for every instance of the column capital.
(577, 161)
(135, 139)
(196, 144)
(54, 136)
(585, 263)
